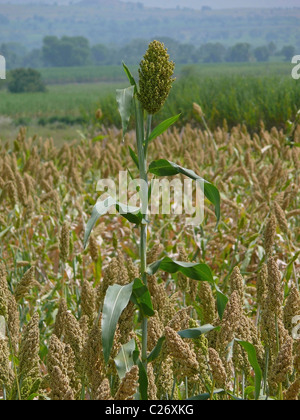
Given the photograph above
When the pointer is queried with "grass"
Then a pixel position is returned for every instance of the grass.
(239, 93)
(94, 74)
(69, 99)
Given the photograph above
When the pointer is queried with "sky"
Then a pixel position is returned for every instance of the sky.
(193, 4)
(218, 4)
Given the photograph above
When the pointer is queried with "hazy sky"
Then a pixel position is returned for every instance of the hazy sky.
(218, 4)
(194, 4)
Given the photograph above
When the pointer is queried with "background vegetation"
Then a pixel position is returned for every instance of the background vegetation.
(77, 51)
(240, 93)
(107, 22)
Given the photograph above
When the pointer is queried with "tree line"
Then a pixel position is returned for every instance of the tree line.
(77, 51)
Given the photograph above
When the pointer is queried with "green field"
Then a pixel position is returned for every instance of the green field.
(245, 93)
(90, 74)
(94, 74)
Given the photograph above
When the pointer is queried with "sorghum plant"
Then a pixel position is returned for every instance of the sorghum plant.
(147, 98)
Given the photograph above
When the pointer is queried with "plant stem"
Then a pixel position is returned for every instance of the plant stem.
(243, 385)
(148, 131)
(142, 155)
(212, 391)
(266, 370)
(280, 392)
(186, 388)
(14, 365)
(277, 335)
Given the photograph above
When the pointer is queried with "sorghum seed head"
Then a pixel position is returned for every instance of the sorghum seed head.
(156, 71)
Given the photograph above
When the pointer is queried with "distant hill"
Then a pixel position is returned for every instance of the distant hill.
(193, 4)
(118, 22)
(218, 4)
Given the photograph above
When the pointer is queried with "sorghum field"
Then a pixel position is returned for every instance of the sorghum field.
(52, 290)
(219, 321)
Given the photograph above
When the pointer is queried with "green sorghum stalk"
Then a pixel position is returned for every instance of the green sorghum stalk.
(155, 82)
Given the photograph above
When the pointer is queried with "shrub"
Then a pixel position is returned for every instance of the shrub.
(25, 80)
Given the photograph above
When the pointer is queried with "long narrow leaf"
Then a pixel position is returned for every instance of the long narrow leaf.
(132, 214)
(142, 298)
(164, 167)
(124, 99)
(194, 271)
(124, 360)
(162, 127)
(197, 332)
(143, 377)
(157, 349)
(143, 381)
(222, 301)
(206, 396)
(99, 210)
(251, 352)
(116, 300)
(134, 157)
(130, 77)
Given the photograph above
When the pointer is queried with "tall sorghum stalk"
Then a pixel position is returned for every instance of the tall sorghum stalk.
(142, 154)
(155, 81)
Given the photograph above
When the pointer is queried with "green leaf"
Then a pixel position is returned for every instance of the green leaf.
(130, 77)
(164, 167)
(125, 360)
(99, 210)
(289, 268)
(143, 381)
(132, 214)
(157, 349)
(116, 300)
(5, 231)
(251, 352)
(124, 99)
(206, 396)
(98, 138)
(142, 298)
(197, 332)
(134, 157)
(143, 377)
(234, 397)
(222, 301)
(194, 271)
(162, 127)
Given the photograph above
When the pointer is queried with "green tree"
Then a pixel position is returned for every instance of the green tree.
(239, 53)
(262, 54)
(272, 48)
(212, 53)
(65, 52)
(25, 80)
(33, 59)
(101, 54)
(13, 53)
(288, 52)
(132, 52)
